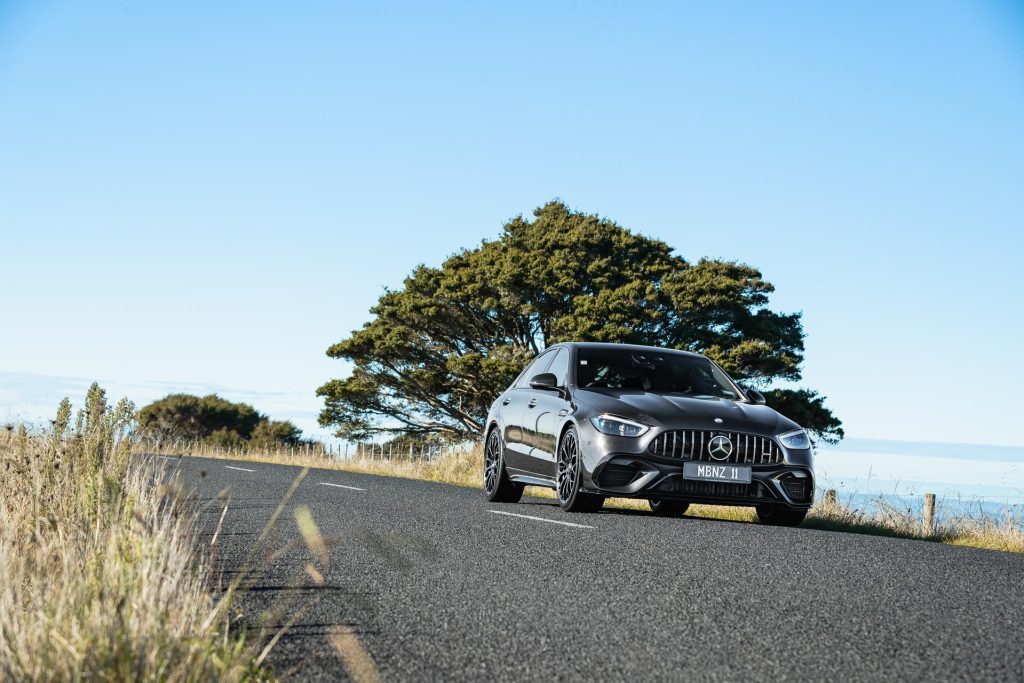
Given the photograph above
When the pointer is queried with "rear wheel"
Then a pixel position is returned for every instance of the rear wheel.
(498, 487)
(780, 515)
(667, 508)
(569, 477)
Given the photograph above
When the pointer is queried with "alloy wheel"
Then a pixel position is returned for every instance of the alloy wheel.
(492, 462)
(568, 465)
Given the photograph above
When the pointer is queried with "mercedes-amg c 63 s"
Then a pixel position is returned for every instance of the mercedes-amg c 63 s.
(610, 420)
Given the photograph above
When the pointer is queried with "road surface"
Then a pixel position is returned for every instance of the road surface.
(424, 581)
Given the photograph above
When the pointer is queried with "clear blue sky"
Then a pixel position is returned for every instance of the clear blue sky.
(204, 193)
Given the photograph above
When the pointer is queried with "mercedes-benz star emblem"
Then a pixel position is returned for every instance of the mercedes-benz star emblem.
(720, 448)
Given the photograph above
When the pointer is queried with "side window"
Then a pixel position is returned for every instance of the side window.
(560, 367)
(533, 369)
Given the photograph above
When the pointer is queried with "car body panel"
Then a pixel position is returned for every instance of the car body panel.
(513, 406)
(681, 412)
(542, 421)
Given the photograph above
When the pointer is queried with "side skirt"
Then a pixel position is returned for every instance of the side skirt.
(530, 479)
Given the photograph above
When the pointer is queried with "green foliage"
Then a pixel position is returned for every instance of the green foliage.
(95, 407)
(214, 420)
(807, 408)
(183, 416)
(439, 349)
(63, 420)
(405, 444)
(273, 433)
(224, 438)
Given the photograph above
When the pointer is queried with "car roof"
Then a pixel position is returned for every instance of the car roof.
(608, 346)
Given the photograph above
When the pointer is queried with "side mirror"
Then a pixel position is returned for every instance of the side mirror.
(755, 396)
(545, 381)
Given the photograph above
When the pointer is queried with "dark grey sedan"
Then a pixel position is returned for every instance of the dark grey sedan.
(611, 420)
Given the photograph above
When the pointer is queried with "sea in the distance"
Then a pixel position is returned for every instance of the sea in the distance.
(966, 479)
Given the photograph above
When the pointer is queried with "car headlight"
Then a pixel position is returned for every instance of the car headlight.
(617, 426)
(797, 440)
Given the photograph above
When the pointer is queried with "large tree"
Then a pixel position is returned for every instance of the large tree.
(437, 351)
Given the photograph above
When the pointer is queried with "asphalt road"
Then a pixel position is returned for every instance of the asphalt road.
(435, 583)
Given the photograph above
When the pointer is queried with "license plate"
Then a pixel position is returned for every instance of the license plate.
(710, 472)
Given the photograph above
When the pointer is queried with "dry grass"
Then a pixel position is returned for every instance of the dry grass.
(880, 517)
(459, 468)
(99, 577)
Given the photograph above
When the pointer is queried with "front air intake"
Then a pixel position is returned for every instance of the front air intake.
(615, 475)
(798, 489)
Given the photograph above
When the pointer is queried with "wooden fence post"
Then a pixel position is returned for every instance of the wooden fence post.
(929, 514)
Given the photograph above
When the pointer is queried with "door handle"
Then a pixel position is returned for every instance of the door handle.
(506, 401)
(532, 403)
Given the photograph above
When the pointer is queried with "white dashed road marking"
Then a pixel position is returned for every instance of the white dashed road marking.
(240, 469)
(542, 519)
(341, 486)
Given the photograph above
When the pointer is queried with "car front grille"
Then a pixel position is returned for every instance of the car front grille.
(714, 489)
(692, 444)
(755, 489)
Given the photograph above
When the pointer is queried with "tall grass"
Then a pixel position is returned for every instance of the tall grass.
(880, 515)
(99, 577)
(883, 515)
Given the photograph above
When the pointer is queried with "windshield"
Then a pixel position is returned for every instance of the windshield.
(653, 371)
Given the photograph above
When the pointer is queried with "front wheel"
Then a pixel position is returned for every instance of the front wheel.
(780, 515)
(667, 508)
(569, 477)
(497, 485)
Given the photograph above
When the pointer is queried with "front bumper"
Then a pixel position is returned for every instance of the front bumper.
(625, 475)
(625, 468)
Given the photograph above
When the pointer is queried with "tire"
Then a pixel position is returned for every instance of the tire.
(498, 487)
(569, 477)
(780, 515)
(667, 508)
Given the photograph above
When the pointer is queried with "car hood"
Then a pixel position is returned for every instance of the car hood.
(683, 412)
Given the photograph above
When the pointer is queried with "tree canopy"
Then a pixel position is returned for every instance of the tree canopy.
(183, 417)
(437, 351)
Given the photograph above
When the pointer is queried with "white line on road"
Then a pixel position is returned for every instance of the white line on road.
(240, 469)
(341, 486)
(542, 519)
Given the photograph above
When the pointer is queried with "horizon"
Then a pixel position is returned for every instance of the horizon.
(220, 215)
(48, 390)
(861, 468)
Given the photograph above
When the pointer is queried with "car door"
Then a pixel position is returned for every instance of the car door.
(513, 408)
(545, 413)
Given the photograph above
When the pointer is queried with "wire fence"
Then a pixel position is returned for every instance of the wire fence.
(336, 451)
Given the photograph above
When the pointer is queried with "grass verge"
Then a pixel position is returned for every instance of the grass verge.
(880, 518)
(99, 576)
